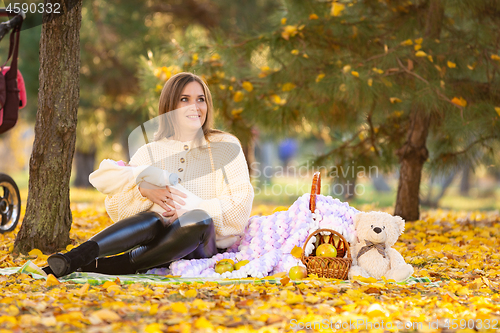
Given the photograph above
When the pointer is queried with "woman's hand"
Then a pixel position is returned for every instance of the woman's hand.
(174, 214)
(167, 197)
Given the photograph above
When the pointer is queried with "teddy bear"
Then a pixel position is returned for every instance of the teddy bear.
(372, 253)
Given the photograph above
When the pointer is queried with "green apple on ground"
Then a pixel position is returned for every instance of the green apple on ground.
(326, 250)
(297, 273)
(224, 266)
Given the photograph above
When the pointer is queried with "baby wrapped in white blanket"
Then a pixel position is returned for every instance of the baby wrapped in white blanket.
(112, 177)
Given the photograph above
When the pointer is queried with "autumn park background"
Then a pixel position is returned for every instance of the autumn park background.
(396, 102)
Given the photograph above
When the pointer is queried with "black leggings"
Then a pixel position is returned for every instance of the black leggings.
(150, 244)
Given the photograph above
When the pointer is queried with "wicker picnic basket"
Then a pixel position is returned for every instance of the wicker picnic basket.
(336, 268)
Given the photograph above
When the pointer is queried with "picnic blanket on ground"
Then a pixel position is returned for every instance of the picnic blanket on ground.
(267, 241)
(98, 279)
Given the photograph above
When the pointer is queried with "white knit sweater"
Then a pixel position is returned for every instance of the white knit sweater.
(218, 175)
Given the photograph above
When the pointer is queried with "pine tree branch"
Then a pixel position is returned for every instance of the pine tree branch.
(343, 146)
(202, 12)
(469, 147)
(389, 51)
(230, 46)
(443, 97)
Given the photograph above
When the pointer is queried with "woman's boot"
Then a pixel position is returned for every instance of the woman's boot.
(63, 264)
(119, 237)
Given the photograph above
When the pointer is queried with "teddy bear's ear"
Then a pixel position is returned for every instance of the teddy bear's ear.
(400, 223)
(357, 218)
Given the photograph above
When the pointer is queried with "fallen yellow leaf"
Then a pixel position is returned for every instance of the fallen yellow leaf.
(154, 328)
(108, 284)
(297, 252)
(35, 253)
(284, 281)
(153, 310)
(179, 307)
(51, 281)
(12, 310)
(292, 298)
(191, 293)
(463, 291)
(106, 315)
(364, 279)
(84, 289)
(8, 319)
(376, 310)
(203, 323)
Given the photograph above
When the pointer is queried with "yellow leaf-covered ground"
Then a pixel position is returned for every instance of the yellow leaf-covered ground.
(457, 249)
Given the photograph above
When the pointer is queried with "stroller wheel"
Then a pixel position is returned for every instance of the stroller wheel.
(10, 204)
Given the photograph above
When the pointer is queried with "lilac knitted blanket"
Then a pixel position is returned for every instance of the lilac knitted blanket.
(268, 240)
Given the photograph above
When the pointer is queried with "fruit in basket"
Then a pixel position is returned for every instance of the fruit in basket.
(228, 260)
(224, 266)
(297, 273)
(240, 264)
(326, 250)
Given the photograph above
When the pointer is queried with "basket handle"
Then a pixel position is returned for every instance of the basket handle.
(317, 232)
(315, 189)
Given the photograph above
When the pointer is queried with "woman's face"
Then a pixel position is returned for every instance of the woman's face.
(193, 105)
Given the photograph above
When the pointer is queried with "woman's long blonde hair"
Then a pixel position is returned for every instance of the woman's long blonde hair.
(170, 97)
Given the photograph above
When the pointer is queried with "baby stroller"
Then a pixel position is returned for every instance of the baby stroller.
(12, 97)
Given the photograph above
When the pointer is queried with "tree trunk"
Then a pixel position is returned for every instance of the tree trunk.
(47, 221)
(465, 181)
(414, 153)
(412, 157)
(84, 165)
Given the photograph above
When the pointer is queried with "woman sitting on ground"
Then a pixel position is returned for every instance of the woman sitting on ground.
(187, 145)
